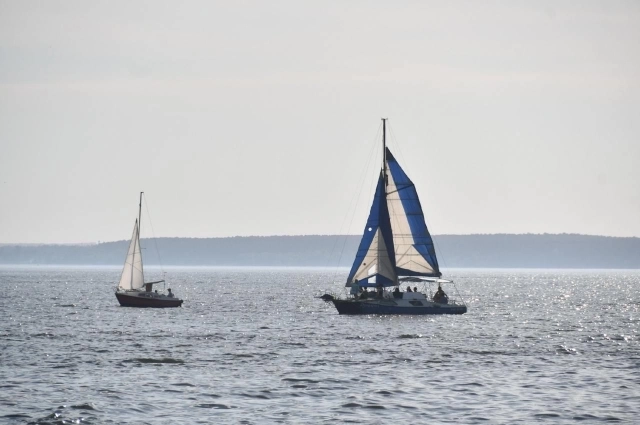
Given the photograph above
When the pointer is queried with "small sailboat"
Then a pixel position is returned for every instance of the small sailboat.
(133, 291)
(396, 249)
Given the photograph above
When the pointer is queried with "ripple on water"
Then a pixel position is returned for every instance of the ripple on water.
(310, 381)
(240, 355)
(260, 395)
(410, 336)
(214, 406)
(16, 416)
(144, 360)
(84, 406)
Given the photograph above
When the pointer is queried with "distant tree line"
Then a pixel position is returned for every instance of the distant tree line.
(477, 251)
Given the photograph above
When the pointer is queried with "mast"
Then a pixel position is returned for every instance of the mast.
(139, 224)
(384, 152)
(137, 243)
(139, 214)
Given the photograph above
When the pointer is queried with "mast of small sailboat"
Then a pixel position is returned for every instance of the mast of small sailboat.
(133, 260)
(140, 214)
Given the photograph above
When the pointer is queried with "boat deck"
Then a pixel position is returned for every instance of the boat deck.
(146, 299)
(415, 303)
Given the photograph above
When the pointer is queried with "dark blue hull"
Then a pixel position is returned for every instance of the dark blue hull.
(127, 300)
(386, 307)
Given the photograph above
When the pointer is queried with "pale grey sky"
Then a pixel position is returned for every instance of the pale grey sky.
(257, 118)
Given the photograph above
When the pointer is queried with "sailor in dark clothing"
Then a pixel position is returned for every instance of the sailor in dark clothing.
(397, 293)
(440, 296)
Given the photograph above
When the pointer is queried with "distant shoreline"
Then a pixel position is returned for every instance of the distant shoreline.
(498, 251)
(446, 271)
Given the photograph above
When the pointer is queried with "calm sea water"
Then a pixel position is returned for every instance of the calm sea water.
(254, 346)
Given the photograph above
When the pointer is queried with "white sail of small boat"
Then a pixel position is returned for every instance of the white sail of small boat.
(132, 276)
(130, 291)
(395, 247)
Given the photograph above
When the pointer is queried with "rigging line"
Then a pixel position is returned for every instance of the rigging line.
(344, 219)
(459, 294)
(355, 200)
(153, 233)
(406, 165)
(441, 259)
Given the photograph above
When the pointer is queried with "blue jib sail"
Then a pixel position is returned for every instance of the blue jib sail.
(374, 264)
(414, 250)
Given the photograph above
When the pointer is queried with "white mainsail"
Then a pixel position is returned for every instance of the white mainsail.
(132, 275)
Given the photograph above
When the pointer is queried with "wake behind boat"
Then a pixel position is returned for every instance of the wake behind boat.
(396, 248)
(133, 291)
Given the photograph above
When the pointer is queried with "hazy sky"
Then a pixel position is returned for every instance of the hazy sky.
(258, 118)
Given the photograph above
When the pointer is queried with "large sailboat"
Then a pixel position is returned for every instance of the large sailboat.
(396, 249)
(133, 291)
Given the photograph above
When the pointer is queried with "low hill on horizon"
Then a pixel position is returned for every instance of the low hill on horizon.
(454, 251)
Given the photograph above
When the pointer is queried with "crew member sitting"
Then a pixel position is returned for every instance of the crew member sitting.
(170, 294)
(440, 297)
(397, 293)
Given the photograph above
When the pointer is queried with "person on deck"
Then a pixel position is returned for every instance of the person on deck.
(170, 294)
(408, 288)
(415, 289)
(440, 296)
(397, 293)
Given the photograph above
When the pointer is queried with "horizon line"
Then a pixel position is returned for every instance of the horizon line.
(298, 236)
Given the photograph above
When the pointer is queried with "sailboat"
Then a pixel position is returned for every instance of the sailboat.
(132, 290)
(396, 249)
